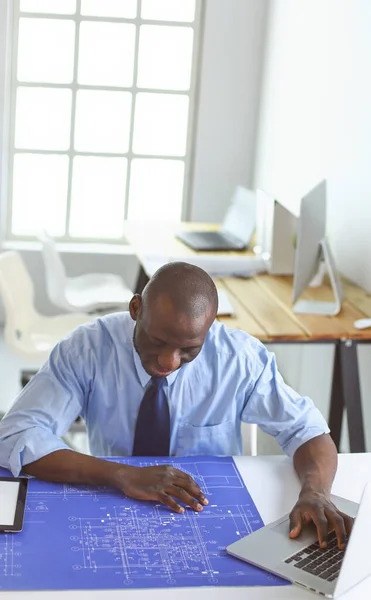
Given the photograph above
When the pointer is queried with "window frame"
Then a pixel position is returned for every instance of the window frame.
(11, 84)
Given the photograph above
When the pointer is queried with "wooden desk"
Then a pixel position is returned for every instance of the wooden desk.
(274, 487)
(263, 309)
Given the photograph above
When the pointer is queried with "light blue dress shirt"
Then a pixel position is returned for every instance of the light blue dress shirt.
(96, 373)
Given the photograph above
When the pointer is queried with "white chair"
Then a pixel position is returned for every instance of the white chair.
(28, 333)
(92, 292)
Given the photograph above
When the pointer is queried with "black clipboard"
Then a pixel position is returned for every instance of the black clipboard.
(13, 493)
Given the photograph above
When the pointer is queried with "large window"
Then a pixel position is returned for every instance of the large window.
(101, 102)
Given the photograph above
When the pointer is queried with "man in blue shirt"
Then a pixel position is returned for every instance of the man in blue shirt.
(167, 379)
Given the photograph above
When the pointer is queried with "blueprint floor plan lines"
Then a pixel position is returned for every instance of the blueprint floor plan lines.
(80, 537)
(10, 556)
(208, 474)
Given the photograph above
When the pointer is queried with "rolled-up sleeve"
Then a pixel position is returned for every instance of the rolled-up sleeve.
(45, 409)
(277, 409)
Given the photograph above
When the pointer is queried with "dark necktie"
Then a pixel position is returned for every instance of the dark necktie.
(152, 431)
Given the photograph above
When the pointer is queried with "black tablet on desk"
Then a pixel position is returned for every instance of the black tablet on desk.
(13, 492)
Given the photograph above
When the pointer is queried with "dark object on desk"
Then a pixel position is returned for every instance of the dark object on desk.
(236, 230)
(210, 240)
(13, 492)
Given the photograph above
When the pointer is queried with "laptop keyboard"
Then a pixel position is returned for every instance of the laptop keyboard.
(325, 563)
(211, 236)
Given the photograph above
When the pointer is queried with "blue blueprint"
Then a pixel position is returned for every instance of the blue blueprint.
(93, 538)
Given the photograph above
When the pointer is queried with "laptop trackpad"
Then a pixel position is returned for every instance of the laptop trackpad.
(282, 527)
(309, 531)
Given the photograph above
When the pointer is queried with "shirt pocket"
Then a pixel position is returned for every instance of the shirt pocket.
(207, 440)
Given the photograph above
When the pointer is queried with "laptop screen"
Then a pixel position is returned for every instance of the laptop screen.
(240, 220)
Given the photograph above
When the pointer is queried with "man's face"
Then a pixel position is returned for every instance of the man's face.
(165, 340)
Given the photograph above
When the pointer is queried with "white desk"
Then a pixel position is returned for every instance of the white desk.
(274, 488)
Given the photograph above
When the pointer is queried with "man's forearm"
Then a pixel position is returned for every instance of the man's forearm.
(161, 483)
(67, 466)
(316, 462)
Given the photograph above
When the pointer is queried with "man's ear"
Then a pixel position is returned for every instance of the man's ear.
(135, 306)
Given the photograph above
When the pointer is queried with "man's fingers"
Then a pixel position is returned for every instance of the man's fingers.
(179, 473)
(164, 498)
(189, 485)
(186, 498)
(296, 523)
(337, 523)
(320, 521)
(342, 525)
(348, 523)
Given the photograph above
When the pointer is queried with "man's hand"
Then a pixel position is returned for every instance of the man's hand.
(317, 507)
(161, 484)
(316, 462)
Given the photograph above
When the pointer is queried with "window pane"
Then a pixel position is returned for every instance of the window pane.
(39, 194)
(102, 121)
(106, 54)
(62, 7)
(46, 50)
(160, 125)
(126, 9)
(169, 10)
(165, 57)
(98, 197)
(43, 118)
(156, 189)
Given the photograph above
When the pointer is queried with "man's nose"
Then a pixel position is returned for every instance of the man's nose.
(169, 361)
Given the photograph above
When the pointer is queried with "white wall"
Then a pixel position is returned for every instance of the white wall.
(315, 118)
(349, 118)
(315, 122)
(228, 103)
(3, 24)
(290, 150)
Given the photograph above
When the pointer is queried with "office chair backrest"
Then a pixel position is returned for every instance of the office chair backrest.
(17, 292)
(55, 274)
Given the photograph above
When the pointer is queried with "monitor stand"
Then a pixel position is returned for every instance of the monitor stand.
(315, 307)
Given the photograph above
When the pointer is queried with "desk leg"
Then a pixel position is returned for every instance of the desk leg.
(26, 376)
(352, 395)
(346, 393)
(337, 398)
(142, 281)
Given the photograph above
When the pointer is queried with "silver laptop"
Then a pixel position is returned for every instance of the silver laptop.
(236, 229)
(328, 572)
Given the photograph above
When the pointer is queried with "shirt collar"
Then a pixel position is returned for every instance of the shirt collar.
(144, 377)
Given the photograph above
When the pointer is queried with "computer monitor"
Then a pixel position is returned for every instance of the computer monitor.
(311, 247)
(276, 229)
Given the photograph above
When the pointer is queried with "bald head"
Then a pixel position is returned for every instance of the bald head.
(173, 316)
(189, 289)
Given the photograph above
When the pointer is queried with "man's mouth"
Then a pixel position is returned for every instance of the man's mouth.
(160, 373)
